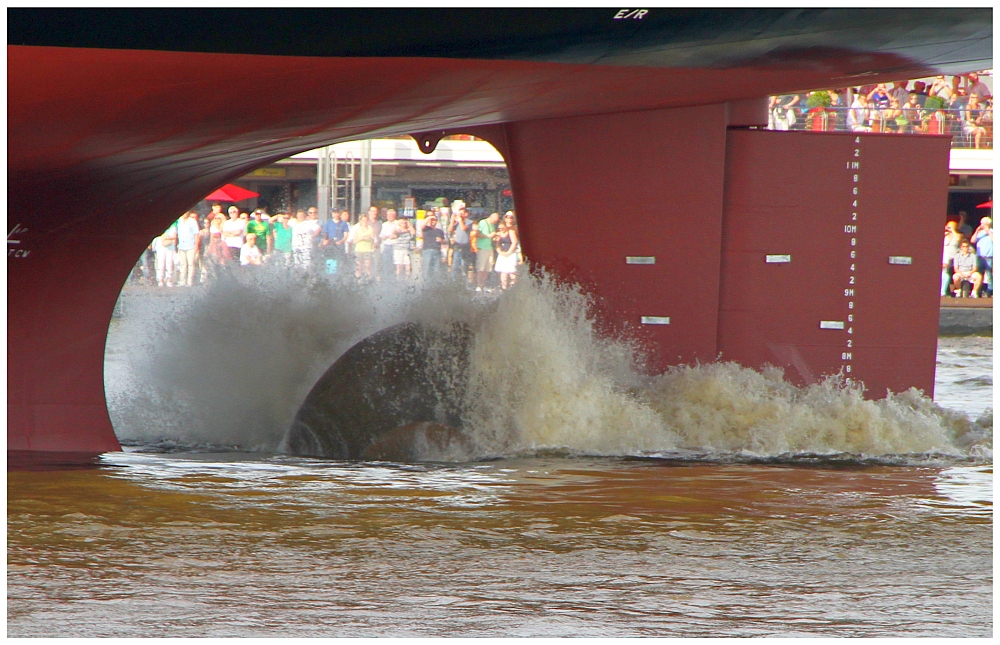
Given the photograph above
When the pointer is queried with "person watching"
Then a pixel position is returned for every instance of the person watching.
(250, 254)
(878, 98)
(485, 237)
(951, 242)
(914, 113)
(858, 115)
(386, 244)
(966, 270)
(940, 88)
(508, 251)
(433, 242)
(893, 117)
(460, 230)
(977, 88)
(282, 233)
(364, 248)
(900, 92)
(983, 239)
(402, 236)
(261, 231)
(972, 121)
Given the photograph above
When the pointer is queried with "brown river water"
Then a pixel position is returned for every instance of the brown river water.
(230, 545)
(660, 513)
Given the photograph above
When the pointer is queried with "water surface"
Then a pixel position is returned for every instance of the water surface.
(709, 502)
(248, 545)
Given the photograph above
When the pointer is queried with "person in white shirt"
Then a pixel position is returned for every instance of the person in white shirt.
(899, 92)
(387, 243)
(304, 233)
(250, 255)
(232, 232)
(165, 249)
(857, 116)
(188, 241)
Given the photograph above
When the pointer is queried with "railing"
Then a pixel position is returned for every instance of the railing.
(905, 121)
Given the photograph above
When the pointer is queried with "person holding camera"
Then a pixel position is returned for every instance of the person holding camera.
(433, 242)
(459, 231)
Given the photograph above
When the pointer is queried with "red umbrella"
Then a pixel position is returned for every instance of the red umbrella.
(231, 193)
(988, 204)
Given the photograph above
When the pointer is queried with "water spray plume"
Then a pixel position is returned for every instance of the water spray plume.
(230, 364)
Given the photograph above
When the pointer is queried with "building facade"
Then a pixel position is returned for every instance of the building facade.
(462, 167)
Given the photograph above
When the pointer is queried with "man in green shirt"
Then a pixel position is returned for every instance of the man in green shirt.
(485, 232)
(283, 240)
(262, 230)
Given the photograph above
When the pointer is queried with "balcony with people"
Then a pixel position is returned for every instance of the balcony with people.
(962, 108)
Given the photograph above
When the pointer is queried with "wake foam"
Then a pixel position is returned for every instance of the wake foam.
(230, 364)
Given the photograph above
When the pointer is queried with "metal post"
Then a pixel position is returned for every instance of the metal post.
(366, 175)
(324, 181)
(335, 181)
(351, 185)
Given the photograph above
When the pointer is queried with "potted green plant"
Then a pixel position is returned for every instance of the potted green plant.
(934, 116)
(818, 113)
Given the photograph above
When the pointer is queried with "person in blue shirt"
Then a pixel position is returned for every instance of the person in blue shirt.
(983, 239)
(334, 235)
(878, 98)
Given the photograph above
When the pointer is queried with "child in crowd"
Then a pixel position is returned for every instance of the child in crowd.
(250, 254)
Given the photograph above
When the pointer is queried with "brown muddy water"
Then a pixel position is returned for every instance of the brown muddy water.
(248, 545)
(707, 502)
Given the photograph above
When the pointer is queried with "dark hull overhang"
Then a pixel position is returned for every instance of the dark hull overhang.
(948, 40)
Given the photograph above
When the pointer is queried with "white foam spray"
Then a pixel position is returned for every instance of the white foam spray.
(230, 363)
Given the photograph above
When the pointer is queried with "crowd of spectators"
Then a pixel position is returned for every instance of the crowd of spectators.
(967, 260)
(447, 242)
(962, 108)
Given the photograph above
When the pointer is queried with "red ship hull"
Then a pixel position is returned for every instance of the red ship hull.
(106, 147)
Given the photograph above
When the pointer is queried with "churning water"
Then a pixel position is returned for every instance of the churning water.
(598, 500)
(231, 364)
